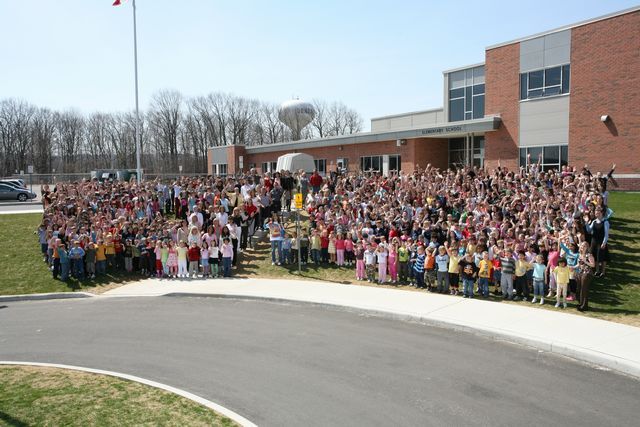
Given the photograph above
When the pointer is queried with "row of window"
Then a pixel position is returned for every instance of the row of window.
(374, 163)
(219, 169)
(472, 155)
(546, 82)
(466, 103)
(553, 156)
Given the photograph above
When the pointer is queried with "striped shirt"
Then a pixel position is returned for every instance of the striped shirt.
(418, 265)
(508, 265)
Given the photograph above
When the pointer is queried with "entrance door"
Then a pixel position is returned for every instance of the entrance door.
(342, 164)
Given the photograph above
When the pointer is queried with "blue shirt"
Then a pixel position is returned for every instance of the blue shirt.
(76, 253)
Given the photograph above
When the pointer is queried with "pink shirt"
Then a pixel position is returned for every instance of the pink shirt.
(348, 245)
(553, 258)
(340, 244)
(227, 250)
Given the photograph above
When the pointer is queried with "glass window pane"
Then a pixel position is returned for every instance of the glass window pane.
(478, 107)
(552, 155)
(456, 79)
(537, 93)
(523, 157)
(535, 153)
(536, 79)
(456, 93)
(456, 157)
(468, 94)
(468, 77)
(456, 143)
(552, 76)
(564, 155)
(554, 90)
(468, 116)
(523, 86)
(478, 141)
(456, 110)
(566, 72)
(478, 89)
(375, 163)
(478, 75)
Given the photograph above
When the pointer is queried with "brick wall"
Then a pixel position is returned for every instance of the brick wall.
(502, 96)
(416, 151)
(605, 79)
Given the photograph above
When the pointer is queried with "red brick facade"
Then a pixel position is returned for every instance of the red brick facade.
(605, 80)
(502, 97)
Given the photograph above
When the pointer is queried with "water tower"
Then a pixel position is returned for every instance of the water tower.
(296, 114)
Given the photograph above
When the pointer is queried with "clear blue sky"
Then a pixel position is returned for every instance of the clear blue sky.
(379, 57)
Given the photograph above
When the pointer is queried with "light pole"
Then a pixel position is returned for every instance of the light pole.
(135, 60)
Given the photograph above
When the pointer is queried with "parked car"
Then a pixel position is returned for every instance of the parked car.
(15, 182)
(9, 192)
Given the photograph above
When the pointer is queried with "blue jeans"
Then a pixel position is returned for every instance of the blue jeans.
(101, 267)
(483, 284)
(78, 268)
(276, 245)
(286, 253)
(315, 256)
(538, 287)
(64, 271)
(226, 266)
(468, 287)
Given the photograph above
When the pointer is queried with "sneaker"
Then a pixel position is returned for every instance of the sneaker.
(570, 298)
(557, 305)
(273, 263)
(564, 305)
(533, 301)
(541, 301)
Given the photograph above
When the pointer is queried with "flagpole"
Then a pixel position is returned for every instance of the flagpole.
(138, 136)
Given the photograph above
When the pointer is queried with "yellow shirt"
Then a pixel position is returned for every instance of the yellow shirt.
(100, 253)
(562, 274)
(182, 253)
(485, 269)
(453, 263)
(522, 267)
(315, 242)
(110, 249)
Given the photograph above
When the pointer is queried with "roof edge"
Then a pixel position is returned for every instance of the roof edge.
(566, 27)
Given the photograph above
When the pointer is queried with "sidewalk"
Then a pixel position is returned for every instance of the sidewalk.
(600, 342)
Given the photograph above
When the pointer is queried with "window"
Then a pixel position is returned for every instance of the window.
(553, 156)
(321, 165)
(269, 167)
(274, 166)
(220, 169)
(466, 94)
(371, 163)
(459, 156)
(546, 82)
(394, 163)
(264, 167)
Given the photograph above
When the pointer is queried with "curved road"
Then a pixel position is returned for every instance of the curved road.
(285, 364)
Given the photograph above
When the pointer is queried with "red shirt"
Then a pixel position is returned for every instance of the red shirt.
(316, 180)
(193, 254)
(324, 242)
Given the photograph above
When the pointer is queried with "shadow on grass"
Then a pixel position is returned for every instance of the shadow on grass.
(12, 421)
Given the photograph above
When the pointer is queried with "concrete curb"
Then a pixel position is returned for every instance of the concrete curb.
(574, 352)
(42, 297)
(209, 404)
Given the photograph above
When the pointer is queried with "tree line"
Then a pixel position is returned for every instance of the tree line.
(175, 131)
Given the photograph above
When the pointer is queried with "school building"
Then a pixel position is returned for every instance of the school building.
(571, 94)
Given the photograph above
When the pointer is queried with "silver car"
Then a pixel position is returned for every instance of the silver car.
(9, 192)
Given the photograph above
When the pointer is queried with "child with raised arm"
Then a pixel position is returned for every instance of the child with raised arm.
(539, 269)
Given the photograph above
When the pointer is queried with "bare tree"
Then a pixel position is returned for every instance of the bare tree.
(164, 124)
(321, 120)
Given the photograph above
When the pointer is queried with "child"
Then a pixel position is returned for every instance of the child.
(507, 269)
(193, 254)
(182, 259)
(418, 267)
(304, 248)
(442, 274)
(393, 261)
(538, 279)
(382, 254)
(324, 247)
(316, 245)
(430, 269)
(172, 261)
(360, 270)
(522, 266)
(348, 249)
(128, 256)
(158, 253)
(340, 247)
(370, 263)
(286, 249)
(294, 249)
(214, 255)
(468, 271)
(454, 276)
(76, 253)
(64, 262)
(562, 273)
(90, 260)
(403, 263)
(331, 248)
(164, 257)
(204, 259)
(227, 255)
(485, 267)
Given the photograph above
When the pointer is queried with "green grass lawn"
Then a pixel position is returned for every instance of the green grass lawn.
(615, 297)
(59, 397)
